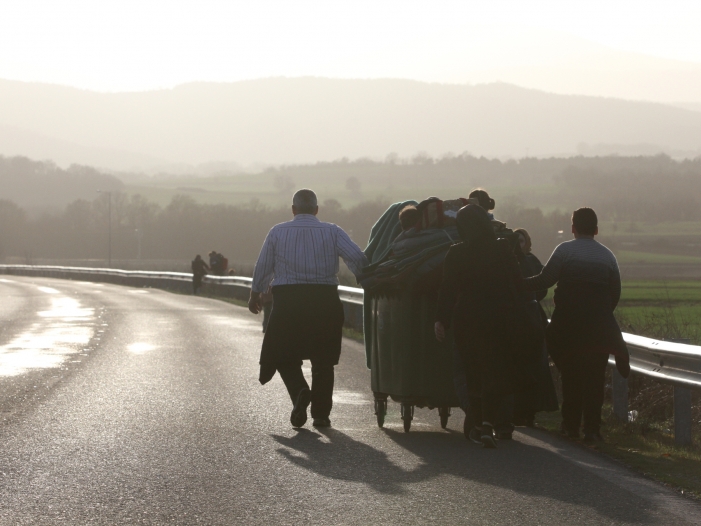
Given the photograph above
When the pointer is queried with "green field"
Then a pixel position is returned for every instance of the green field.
(658, 309)
(661, 309)
(626, 257)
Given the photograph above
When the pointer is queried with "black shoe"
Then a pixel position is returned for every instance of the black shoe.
(487, 437)
(299, 414)
(593, 438)
(569, 433)
(322, 422)
(475, 435)
(504, 435)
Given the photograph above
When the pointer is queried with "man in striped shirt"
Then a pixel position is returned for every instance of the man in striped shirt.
(583, 330)
(299, 259)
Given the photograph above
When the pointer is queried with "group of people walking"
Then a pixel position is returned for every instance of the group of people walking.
(489, 298)
(218, 265)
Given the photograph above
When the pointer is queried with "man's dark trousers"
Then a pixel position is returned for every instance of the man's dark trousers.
(583, 378)
(322, 385)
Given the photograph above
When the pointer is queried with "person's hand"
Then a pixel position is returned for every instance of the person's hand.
(254, 303)
(439, 329)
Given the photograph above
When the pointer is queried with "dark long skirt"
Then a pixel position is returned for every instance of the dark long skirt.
(306, 323)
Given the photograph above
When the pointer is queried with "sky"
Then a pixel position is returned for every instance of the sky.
(132, 46)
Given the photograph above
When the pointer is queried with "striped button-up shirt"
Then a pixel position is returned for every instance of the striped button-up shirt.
(305, 251)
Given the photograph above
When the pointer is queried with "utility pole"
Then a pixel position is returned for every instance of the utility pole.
(109, 225)
(109, 230)
(139, 236)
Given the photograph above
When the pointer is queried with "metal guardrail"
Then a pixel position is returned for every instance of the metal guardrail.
(664, 361)
(236, 287)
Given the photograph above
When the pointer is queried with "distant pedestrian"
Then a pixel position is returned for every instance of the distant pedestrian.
(213, 261)
(199, 269)
(223, 265)
(583, 330)
(300, 259)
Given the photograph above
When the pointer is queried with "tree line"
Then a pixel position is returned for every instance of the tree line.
(652, 188)
(183, 228)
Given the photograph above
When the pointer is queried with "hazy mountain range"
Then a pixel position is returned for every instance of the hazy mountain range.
(297, 120)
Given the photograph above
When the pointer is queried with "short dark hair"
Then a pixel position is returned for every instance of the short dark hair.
(305, 201)
(585, 221)
(483, 198)
(409, 217)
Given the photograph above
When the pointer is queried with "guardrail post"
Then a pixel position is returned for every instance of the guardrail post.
(682, 415)
(682, 408)
(620, 396)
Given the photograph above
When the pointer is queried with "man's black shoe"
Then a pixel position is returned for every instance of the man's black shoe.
(569, 433)
(593, 438)
(299, 413)
(487, 437)
(321, 422)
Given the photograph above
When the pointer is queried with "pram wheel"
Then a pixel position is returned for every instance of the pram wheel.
(380, 411)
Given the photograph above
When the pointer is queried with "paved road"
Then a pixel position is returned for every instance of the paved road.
(134, 406)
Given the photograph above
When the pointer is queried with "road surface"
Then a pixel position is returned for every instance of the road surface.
(138, 406)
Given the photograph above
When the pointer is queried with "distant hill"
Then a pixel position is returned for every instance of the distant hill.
(298, 120)
(18, 141)
(693, 106)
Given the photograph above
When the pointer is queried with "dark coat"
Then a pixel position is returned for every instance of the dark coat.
(481, 298)
(583, 321)
(306, 323)
(199, 267)
(542, 396)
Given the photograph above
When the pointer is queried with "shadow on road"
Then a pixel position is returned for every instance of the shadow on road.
(346, 459)
(514, 466)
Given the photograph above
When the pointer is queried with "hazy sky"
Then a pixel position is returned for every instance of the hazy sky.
(114, 46)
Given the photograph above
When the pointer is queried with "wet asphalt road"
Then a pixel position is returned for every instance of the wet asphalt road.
(137, 406)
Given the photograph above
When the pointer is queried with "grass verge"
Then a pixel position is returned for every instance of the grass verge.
(353, 334)
(646, 448)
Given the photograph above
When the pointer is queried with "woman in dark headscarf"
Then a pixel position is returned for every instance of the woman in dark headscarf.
(542, 395)
(480, 297)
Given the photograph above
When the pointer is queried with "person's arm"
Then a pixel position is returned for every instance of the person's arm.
(262, 274)
(536, 267)
(550, 274)
(350, 252)
(615, 286)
